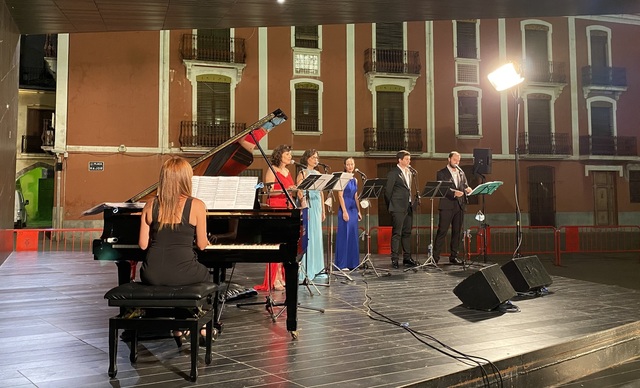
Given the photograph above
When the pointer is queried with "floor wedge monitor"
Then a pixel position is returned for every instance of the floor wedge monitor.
(526, 274)
(485, 290)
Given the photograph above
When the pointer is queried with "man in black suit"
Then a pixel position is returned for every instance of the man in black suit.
(451, 207)
(398, 196)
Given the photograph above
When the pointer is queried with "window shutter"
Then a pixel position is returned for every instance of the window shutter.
(466, 39)
(389, 36)
(306, 107)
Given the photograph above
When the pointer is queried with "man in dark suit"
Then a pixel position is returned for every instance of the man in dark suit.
(451, 207)
(398, 196)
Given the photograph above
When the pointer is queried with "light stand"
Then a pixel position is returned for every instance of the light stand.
(503, 78)
(518, 101)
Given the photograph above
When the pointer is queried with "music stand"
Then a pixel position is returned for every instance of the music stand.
(435, 189)
(311, 182)
(485, 189)
(339, 182)
(372, 189)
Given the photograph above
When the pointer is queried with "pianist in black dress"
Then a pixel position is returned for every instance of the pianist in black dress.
(167, 229)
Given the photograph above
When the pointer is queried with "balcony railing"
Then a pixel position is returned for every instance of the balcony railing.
(604, 76)
(307, 124)
(207, 135)
(392, 140)
(545, 144)
(609, 145)
(48, 133)
(545, 71)
(212, 49)
(391, 61)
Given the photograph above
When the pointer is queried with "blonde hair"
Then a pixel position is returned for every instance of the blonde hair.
(175, 181)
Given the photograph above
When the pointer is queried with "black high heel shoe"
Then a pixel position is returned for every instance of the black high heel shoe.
(182, 338)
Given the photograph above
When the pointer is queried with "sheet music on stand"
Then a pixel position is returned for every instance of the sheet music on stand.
(372, 188)
(339, 181)
(225, 192)
(486, 188)
(436, 189)
(315, 182)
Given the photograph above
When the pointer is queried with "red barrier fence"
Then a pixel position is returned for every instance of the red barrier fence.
(54, 240)
(595, 239)
(500, 240)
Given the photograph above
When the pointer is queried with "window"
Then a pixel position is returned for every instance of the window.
(538, 137)
(466, 39)
(306, 36)
(214, 45)
(537, 52)
(390, 110)
(214, 102)
(468, 123)
(389, 36)
(307, 107)
(634, 186)
(542, 196)
(306, 44)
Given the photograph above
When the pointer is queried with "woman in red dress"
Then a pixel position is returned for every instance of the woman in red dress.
(280, 159)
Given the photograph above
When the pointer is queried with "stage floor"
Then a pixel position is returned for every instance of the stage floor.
(388, 331)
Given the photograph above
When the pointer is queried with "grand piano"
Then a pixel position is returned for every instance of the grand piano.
(260, 235)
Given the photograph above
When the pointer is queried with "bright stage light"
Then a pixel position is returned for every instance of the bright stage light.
(505, 77)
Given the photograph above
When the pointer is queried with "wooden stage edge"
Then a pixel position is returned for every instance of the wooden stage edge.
(54, 328)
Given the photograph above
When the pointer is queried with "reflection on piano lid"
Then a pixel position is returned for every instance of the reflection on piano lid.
(126, 207)
(243, 247)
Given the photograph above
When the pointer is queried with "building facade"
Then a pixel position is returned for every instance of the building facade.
(126, 100)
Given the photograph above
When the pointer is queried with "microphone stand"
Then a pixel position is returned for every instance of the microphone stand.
(416, 212)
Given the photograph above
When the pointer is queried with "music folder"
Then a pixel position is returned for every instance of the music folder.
(486, 188)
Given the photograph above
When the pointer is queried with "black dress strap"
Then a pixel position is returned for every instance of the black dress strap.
(186, 211)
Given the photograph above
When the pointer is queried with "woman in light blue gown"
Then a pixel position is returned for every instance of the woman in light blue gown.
(313, 215)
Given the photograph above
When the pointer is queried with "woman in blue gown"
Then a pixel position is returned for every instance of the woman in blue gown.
(313, 215)
(347, 245)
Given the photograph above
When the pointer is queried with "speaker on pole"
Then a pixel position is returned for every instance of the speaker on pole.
(482, 160)
(485, 289)
(526, 274)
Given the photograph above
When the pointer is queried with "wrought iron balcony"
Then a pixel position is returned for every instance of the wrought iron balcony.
(206, 134)
(609, 145)
(392, 139)
(391, 61)
(212, 49)
(604, 76)
(545, 71)
(545, 144)
(307, 124)
(48, 134)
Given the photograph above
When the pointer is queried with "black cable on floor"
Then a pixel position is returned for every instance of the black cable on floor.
(450, 352)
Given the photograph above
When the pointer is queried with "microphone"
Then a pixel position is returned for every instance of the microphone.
(458, 167)
(413, 170)
(324, 166)
(298, 164)
(362, 174)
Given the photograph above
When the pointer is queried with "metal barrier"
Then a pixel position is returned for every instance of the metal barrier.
(55, 240)
(500, 240)
(594, 239)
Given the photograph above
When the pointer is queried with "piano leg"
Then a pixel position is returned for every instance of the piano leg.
(291, 287)
(124, 271)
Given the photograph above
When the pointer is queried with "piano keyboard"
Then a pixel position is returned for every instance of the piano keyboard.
(218, 247)
(244, 247)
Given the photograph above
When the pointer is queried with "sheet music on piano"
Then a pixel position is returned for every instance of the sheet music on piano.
(225, 192)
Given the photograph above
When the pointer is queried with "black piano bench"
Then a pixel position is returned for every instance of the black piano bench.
(164, 308)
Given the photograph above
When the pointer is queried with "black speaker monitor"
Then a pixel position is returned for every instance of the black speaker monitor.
(485, 289)
(526, 273)
(482, 160)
